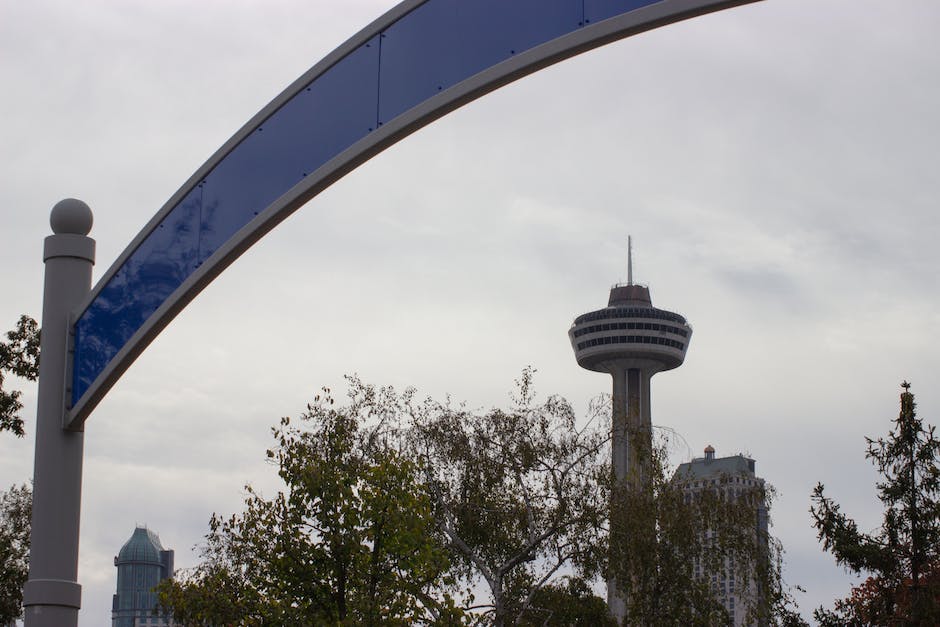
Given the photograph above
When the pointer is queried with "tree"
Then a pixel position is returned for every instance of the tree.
(392, 506)
(669, 539)
(518, 494)
(351, 541)
(19, 355)
(568, 603)
(903, 556)
(15, 511)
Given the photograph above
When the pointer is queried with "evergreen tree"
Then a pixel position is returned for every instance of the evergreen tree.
(903, 556)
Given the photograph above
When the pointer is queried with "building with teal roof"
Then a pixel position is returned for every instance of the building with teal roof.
(142, 563)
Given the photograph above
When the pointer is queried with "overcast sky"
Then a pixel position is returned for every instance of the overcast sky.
(776, 165)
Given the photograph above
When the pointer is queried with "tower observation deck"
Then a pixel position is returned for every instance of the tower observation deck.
(631, 340)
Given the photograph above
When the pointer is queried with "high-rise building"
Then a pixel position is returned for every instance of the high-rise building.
(631, 340)
(142, 563)
(730, 476)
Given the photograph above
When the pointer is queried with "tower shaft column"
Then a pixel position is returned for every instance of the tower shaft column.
(632, 436)
(631, 446)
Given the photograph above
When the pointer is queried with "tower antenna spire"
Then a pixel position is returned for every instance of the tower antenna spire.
(629, 260)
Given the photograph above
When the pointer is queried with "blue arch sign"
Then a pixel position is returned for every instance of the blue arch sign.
(416, 63)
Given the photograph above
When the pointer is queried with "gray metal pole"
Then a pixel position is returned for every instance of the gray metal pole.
(52, 595)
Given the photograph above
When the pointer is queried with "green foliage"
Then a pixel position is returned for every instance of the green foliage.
(518, 494)
(351, 541)
(15, 511)
(669, 539)
(569, 603)
(391, 506)
(903, 556)
(19, 356)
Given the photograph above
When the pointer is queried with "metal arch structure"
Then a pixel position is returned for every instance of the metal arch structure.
(416, 63)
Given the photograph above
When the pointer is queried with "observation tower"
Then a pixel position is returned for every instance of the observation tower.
(631, 340)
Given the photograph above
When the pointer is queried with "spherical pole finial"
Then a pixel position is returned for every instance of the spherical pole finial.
(71, 216)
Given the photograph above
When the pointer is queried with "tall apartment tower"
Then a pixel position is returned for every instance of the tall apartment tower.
(631, 340)
(732, 476)
(142, 563)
